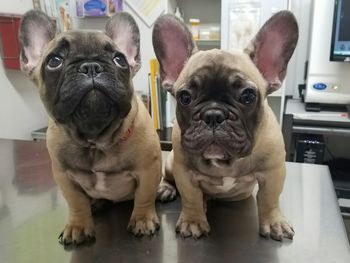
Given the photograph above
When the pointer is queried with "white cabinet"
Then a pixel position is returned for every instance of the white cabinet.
(240, 20)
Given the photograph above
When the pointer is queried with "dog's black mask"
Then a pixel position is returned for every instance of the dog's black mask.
(87, 82)
(218, 113)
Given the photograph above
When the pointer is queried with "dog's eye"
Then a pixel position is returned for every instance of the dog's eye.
(184, 97)
(120, 61)
(54, 62)
(248, 96)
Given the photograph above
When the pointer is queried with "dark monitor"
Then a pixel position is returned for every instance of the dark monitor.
(340, 45)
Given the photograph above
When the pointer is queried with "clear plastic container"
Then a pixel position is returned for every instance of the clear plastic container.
(194, 23)
(204, 34)
(214, 33)
(209, 32)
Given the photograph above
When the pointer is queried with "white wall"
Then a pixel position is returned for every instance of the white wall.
(147, 53)
(20, 108)
(15, 6)
(302, 9)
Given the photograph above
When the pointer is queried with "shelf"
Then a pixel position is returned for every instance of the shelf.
(276, 94)
(164, 137)
(212, 43)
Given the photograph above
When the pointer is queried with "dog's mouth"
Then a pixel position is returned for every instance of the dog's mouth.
(95, 104)
(215, 152)
(94, 113)
(91, 108)
(223, 143)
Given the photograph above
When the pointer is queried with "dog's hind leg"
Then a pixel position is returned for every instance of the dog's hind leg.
(166, 191)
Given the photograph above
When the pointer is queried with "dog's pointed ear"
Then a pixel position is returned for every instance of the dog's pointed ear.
(273, 46)
(36, 30)
(123, 30)
(173, 45)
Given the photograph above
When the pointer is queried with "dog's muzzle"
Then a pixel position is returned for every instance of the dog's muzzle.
(95, 105)
(218, 133)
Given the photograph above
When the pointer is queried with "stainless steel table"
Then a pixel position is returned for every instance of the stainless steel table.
(32, 213)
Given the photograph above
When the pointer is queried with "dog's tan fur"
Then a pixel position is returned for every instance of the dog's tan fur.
(264, 165)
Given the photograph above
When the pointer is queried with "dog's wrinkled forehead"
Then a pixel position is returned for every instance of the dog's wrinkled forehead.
(82, 43)
(216, 63)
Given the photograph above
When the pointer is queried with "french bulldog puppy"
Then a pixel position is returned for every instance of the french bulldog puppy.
(226, 138)
(100, 136)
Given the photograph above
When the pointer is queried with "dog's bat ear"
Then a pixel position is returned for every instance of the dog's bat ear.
(273, 46)
(173, 45)
(123, 30)
(36, 30)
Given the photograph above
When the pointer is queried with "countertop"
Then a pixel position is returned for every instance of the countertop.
(33, 212)
(327, 116)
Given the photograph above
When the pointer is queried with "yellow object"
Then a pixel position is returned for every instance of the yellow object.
(154, 71)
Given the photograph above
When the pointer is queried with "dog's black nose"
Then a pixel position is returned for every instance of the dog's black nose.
(213, 117)
(90, 68)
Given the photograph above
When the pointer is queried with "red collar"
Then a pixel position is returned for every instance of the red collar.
(124, 138)
(126, 135)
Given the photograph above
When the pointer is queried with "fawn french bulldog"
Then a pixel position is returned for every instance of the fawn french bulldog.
(100, 136)
(226, 137)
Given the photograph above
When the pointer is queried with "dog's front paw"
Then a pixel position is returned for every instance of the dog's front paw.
(146, 224)
(77, 233)
(166, 192)
(192, 227)
(274, 225)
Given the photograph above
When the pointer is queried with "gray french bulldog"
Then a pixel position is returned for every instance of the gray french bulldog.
(98, 130)
(226, 137)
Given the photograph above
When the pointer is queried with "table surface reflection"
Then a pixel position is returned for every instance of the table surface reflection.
(33, 212)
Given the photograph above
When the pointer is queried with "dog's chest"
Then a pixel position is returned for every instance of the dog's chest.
(103, 174)
(231, 183)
